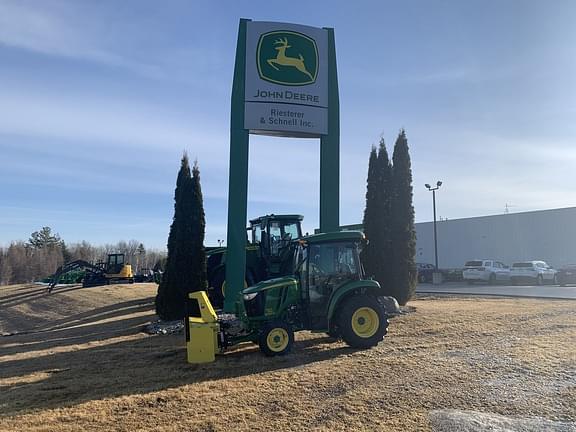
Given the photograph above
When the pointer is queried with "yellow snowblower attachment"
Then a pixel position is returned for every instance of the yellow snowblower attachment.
(201, 329)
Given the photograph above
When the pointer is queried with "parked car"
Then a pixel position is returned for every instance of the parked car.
(566, 275)
(425, 272)
(537, 272)
(489, 271)
(451, 275)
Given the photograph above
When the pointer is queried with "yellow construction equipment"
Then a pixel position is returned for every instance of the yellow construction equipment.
(114, 270)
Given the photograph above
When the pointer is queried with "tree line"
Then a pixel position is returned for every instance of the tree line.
(45, 251)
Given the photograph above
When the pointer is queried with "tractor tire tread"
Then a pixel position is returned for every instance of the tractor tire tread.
(345, 321)
(264, 335)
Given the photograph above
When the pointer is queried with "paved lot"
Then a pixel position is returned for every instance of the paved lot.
(544, 291)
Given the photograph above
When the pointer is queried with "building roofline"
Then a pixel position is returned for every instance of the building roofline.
(502, 215)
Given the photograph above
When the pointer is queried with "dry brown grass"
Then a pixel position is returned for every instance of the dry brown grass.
(83, 364)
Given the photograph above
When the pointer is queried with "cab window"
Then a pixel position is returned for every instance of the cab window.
(257, 234)
(290, 231)
(333, 259)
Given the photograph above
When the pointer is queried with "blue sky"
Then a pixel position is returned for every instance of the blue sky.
(99, 99)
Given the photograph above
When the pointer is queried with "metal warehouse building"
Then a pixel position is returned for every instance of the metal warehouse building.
(548, 235)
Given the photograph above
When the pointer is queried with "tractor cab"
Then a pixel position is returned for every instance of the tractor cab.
(269, 253)
(324, 264)
(116, 269)
(273, 234)
(115, 263)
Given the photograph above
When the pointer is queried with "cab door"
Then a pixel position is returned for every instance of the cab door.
(320, 272)
(330, 265)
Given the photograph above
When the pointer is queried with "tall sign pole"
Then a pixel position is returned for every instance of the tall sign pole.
(330, 149)
(285, 84)
(238, 179)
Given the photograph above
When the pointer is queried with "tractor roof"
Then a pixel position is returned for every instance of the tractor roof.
(335, 236)
(265, 218)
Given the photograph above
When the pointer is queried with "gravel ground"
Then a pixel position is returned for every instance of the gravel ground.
(78, 360)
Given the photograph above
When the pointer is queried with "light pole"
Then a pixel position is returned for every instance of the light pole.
(433, 190)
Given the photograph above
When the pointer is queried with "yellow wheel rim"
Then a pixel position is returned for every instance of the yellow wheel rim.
(223, 288)
(365, 322)
(277, 339)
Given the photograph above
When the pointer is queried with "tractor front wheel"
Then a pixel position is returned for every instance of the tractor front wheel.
(276, 338)
(363, 321)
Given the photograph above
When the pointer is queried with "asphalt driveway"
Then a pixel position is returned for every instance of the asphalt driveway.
(543, 291)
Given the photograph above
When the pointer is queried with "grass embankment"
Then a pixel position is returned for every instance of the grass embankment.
(78, 361)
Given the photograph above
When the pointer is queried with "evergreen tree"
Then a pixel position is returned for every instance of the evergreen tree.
(384, 196)
(186, 262)
(44, 238)
(376, 255)
(403, 232)
(370, 220)
(198, 269)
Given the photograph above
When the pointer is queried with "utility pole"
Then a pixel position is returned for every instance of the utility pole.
(433, 190)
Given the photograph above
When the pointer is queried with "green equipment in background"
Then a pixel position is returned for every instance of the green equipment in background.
(269, 239)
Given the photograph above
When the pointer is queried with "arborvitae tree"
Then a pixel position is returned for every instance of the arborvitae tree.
(186, 262)
(376, 255)
(403, 232)
(198, 269)
(384, 197)
(370, 220)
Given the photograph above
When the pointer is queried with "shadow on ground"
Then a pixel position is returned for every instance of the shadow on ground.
(99, 324)
(32, 292)
(102, 353)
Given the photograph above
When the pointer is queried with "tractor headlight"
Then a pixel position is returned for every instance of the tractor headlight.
(250, 296)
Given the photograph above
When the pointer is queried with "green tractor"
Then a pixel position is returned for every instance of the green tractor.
(325, 292)
(269, 243)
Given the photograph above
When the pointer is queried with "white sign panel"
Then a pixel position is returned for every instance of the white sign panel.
(286, 87)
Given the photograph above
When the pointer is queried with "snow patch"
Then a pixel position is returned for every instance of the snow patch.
(473, 421)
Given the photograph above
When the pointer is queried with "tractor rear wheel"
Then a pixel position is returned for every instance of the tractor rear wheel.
(363, 321)
(217, 290)
(276, 338)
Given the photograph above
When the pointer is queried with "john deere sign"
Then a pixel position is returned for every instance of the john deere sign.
(286, 80)
(285, 83)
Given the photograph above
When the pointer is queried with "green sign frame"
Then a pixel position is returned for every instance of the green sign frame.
(239, 156)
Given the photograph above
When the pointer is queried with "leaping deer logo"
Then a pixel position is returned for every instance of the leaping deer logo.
(282, 60)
